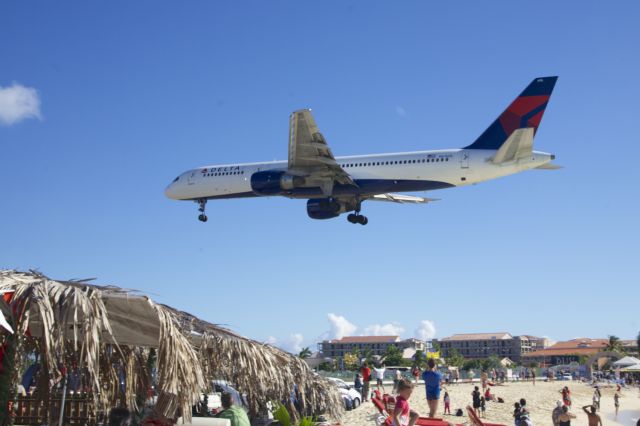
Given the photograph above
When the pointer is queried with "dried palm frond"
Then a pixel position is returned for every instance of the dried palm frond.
(107, 331)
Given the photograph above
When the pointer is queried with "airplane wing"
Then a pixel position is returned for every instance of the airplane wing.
(309, 153)
(402, 199)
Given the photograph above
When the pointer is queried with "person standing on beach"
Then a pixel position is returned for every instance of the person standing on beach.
(365, 371)
(357, 383)
(594, 418)
(380, 377)
(516, 413)
(396, 380)
(616, 401)
(416, 374)
(555, 414)
(475, 397)
(566, 396)
(566, 416)
(432, 382)
(596, 398)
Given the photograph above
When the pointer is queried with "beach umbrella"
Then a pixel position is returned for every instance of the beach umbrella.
(626, 362)
(631, 369)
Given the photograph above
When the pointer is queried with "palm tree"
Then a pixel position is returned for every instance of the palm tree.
(614, 345)
(638, 342)
(419, 359)
(305, 353)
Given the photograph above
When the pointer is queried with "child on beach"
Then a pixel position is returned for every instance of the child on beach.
(447, 403)
(402, 413)
(482, 406)
(357, 383)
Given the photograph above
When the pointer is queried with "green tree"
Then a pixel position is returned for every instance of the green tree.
(419, 359)
(614, 345)
(455, 359)
(638, 342)
(368, 356)
(472, 364)
(327, 366)
(490, 363)
(351, 361)
(305, 353)
(393, 355)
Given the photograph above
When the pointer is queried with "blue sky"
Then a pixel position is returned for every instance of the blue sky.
(133, 93)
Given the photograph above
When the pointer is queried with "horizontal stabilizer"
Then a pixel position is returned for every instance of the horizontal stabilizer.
(549, 166)
(402, 199)
(518, 145)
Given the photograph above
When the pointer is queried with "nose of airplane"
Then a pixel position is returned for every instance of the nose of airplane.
(170, 190)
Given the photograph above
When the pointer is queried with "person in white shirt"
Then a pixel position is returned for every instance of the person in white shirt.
(380, 377)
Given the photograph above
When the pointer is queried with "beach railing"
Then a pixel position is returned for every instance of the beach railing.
(78, 410)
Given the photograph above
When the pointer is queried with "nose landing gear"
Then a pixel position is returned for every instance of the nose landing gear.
(201, 206)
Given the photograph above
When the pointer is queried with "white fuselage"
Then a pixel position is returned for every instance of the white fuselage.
(377, 173)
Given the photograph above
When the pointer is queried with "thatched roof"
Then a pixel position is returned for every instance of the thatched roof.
(97, 327)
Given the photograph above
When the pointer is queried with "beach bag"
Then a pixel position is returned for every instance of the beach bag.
(459, 412)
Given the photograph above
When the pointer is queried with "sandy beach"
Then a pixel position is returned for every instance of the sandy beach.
(541, 400)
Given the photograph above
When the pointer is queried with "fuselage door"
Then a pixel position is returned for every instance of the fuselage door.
(464, 159)
(192, 178)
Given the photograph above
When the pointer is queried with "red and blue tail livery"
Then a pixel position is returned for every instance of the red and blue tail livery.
(524, 112)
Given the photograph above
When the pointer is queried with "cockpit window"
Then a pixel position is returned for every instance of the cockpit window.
(176, 179)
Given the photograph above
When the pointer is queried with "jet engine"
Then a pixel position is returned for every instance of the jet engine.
(324, 208)
(274, 182)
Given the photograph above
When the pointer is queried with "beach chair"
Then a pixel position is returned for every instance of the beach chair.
(422, 421)
(477, 421)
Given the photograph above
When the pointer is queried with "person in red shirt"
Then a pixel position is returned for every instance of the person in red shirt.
(403, 415)
(365, 371)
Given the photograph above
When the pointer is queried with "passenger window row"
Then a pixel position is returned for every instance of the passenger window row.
(241, 172)
(389, 163)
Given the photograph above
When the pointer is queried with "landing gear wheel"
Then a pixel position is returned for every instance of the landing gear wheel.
(202, 204)
(357, 218)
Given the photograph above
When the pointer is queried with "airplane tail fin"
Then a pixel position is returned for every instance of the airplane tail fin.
(524, 112)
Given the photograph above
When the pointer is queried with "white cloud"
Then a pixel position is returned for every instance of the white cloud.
(292, 344)
(271, 340)
(339, 327)
(426, 330)
(18, 103)
(384, 330)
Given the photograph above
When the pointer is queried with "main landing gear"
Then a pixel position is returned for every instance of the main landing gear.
(357, 218)
(201, 206)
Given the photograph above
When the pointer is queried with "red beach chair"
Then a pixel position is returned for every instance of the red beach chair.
(476, 421)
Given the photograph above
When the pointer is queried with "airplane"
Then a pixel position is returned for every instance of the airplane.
(337, 185)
